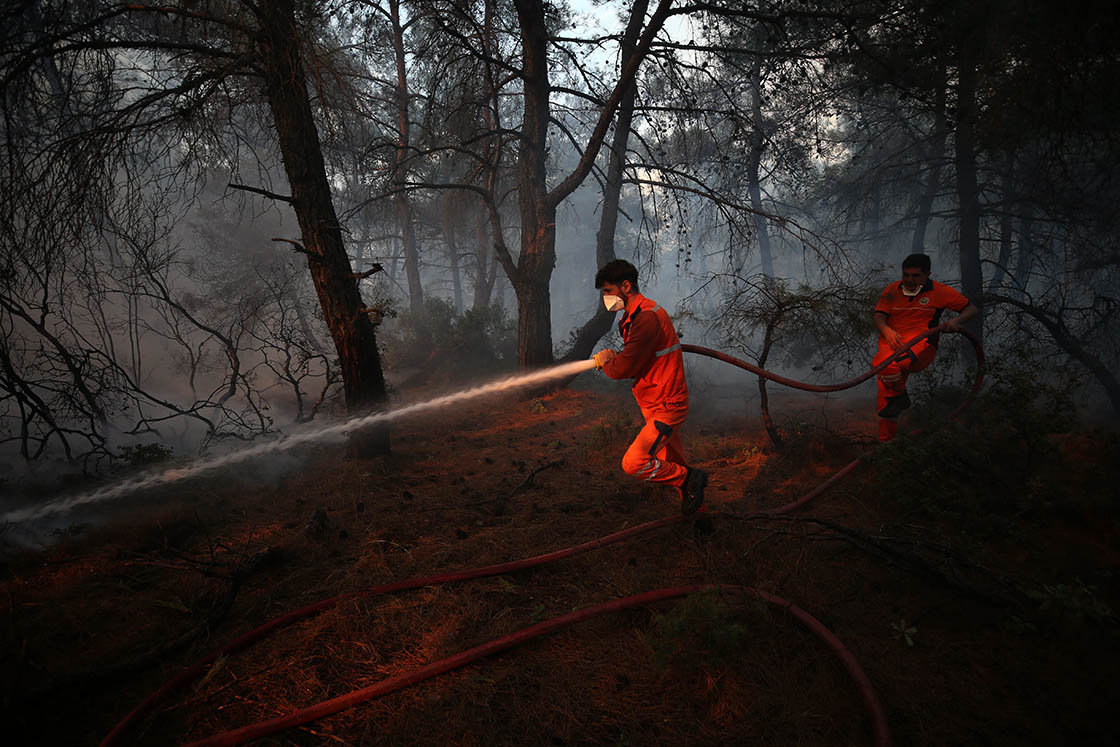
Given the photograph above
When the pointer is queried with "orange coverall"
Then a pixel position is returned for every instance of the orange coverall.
(651, 355)
(909, 316)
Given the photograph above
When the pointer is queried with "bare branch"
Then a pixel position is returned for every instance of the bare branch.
(264, 192)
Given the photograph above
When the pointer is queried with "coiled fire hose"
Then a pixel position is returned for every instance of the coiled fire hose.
(880, 732)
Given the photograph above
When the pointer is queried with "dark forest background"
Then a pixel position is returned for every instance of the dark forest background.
(223, 219)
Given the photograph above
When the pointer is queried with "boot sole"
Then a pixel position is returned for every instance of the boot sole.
(691, 504)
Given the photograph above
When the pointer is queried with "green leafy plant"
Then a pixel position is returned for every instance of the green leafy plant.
(1075, 603)
(904, 632)
(538, 613)
(449, 344)
(607, 429)
(71, 530)
(140, 455)
(699, 632)
(987, 471)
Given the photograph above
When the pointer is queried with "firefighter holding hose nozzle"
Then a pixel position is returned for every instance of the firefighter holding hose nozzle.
(904, 310)
(651, 355)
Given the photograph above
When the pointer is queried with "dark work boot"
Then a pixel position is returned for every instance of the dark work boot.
(895, 406)
(692, 492)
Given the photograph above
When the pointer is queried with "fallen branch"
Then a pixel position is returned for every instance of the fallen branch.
(529, 478)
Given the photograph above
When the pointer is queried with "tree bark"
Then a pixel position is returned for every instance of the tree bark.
(400, 166)
(764, 397)
(600, 323)
(538, 214)
(1005, 228)
(754, 163)
(486, 267)
(449, 218)
(968, 192)
(351, 329)
(1025, 254)
(1067, 341)
(935, 159)
(532, 272)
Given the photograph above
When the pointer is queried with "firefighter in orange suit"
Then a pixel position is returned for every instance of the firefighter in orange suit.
(651, 355)
(905, 310)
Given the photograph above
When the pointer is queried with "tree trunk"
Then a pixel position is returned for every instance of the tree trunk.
(754, 162)
(1025, 254)
(351, 329)
(1005, 228)
(600, 323)
(450, 217)
(1066, 340)
(538, 214)
(531, 273)
(400, 167)
(764, 397)
(486, 268)
(935, 158)
(968, 193)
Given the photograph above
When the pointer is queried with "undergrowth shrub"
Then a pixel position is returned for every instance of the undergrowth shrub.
(999, 461)
(141, 455)
(699, 633)
(1072, 605)
(449, 345)
(607, 432)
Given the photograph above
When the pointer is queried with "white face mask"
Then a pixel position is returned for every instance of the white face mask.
(613, 303)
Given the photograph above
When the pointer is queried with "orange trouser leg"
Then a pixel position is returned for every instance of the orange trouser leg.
(657, 454)
(892, 379)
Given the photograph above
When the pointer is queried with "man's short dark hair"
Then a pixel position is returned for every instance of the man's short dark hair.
(615, 272)
(917, 261)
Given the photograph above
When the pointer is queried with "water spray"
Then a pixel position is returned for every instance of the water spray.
(176, 474)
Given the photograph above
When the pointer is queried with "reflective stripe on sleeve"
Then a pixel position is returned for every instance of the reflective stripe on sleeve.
(669, 349)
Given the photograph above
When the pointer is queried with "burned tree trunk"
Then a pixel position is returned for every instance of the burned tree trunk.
(337, 288)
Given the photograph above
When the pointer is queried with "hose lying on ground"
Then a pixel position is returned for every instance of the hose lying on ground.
(329, 707)
(320, 710)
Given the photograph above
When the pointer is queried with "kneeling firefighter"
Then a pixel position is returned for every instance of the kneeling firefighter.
(651, 355)
(904, 310)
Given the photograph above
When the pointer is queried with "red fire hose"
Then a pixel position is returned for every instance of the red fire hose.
(804, 386)
(244, 641)
(334, 705)
(847, 468)
(384, 687)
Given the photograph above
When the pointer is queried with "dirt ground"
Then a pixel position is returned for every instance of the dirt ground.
(969, 635)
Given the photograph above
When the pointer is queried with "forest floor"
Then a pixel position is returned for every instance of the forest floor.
(977, 621)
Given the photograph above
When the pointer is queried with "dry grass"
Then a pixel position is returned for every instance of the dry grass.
(455, 495)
